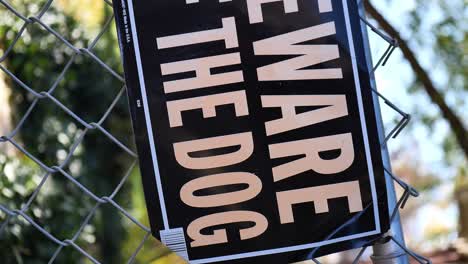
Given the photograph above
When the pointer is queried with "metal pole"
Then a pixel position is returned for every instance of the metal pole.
(384, 252)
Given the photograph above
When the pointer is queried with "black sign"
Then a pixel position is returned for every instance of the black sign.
(255, 127)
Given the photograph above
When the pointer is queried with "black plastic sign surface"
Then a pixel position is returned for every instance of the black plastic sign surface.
(255, 127)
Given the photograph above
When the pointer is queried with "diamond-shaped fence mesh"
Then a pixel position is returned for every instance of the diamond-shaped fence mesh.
(71, 181)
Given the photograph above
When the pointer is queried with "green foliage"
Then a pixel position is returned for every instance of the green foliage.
(49, 133)
(441, 28)
(461, 182)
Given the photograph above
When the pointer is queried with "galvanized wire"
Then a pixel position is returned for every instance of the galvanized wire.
(58, 169)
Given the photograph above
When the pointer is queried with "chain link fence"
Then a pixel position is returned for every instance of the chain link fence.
(47, 95)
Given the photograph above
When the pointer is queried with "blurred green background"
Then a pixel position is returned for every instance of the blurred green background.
(426, 77)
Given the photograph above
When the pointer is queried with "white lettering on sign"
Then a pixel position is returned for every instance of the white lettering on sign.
(293, 69)
(334, 106)
(218, 153)
(219, 236)
(183, 150)
(311, 149)
(202, 67)
(254, 186)
(320, 196)
(228, 33)
(290, 6)
(256, 13)
(208, 105)
(196, 1)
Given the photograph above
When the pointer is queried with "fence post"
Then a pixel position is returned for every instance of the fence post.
(384, 252)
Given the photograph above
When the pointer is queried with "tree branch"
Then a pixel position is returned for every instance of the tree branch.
(422, 76)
